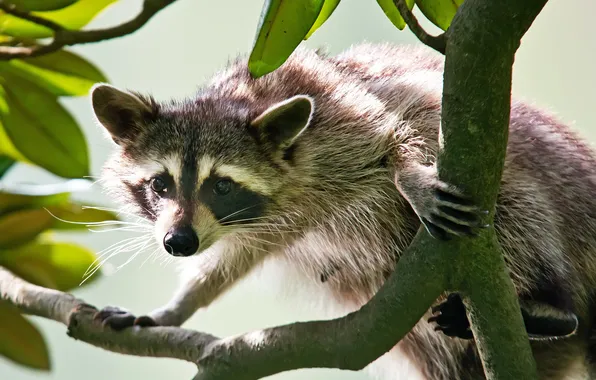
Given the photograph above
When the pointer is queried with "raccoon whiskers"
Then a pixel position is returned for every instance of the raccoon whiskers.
(112, 223)
(251, 246)
(267, 230)
(236, 213)
(94, 179)
(136, 244)
(134, 255)
(264, 241)
(250, 242)
(263, 226)
(266, 217)
(154, 254)
(166, 260)
(125, 228)
(111, 251)
(119, 211)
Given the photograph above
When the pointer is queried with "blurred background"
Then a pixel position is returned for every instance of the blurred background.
(178, 50)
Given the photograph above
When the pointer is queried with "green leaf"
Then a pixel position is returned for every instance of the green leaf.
(54, 201)
(70, 64)
(282, 26)
(41, 5)
(7, 148)
(70, 186)
(326, 11)
(20, 341)
(73, 216)
(56, 265)
(74, 16)
(42, 130)
(5, 164)
(392, 13)
(10, 202)
(61, 73)
(20, 196)
(439, 12)
(23, 226)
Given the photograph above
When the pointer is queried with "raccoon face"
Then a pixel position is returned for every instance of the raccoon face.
(199, 170)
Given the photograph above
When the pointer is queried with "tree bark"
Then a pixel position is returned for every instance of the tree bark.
(481, 45)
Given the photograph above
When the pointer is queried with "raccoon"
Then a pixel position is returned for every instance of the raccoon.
(327, 166)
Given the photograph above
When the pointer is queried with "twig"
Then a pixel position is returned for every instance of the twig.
(11, 9)
(65, 37)
(436, 42)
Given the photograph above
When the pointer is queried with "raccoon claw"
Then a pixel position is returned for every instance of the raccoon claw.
(145, 321)
(450, 318)
(435, 231)
(119, 319)
(453, 214)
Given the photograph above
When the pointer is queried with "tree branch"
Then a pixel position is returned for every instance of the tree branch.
(78, 316)
(11, 9)
(435, 42)
(65, 37)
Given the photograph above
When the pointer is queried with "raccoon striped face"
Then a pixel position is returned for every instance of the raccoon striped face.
(193, 205)
(198, 170)
(228, 200)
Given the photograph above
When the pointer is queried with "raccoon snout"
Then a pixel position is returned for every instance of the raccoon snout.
(181, 241)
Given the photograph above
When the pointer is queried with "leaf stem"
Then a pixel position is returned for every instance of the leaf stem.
(436, 42)
(66, 37)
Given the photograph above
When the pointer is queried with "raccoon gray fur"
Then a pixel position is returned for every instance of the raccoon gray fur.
(327, 164)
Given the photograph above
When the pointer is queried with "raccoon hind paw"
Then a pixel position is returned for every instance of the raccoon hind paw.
(451, 319)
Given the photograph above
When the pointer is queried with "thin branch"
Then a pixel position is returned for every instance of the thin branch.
(436, 42)
(65, 37)
(170, 342)
(11, 9)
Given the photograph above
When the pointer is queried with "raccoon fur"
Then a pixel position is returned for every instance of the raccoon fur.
(327, 166)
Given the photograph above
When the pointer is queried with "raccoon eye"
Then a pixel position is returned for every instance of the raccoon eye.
(158, 185)
(223, 186)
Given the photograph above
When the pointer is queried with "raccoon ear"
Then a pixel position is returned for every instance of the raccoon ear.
(283, 122)
(121, 113)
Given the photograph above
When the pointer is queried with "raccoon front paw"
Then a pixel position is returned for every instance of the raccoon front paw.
(120, 319)
(452, 213)
(451, 318)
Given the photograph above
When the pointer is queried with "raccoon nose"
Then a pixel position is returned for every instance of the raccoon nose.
(181, 241)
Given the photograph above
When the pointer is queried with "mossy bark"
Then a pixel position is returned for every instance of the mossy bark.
(481, 45)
